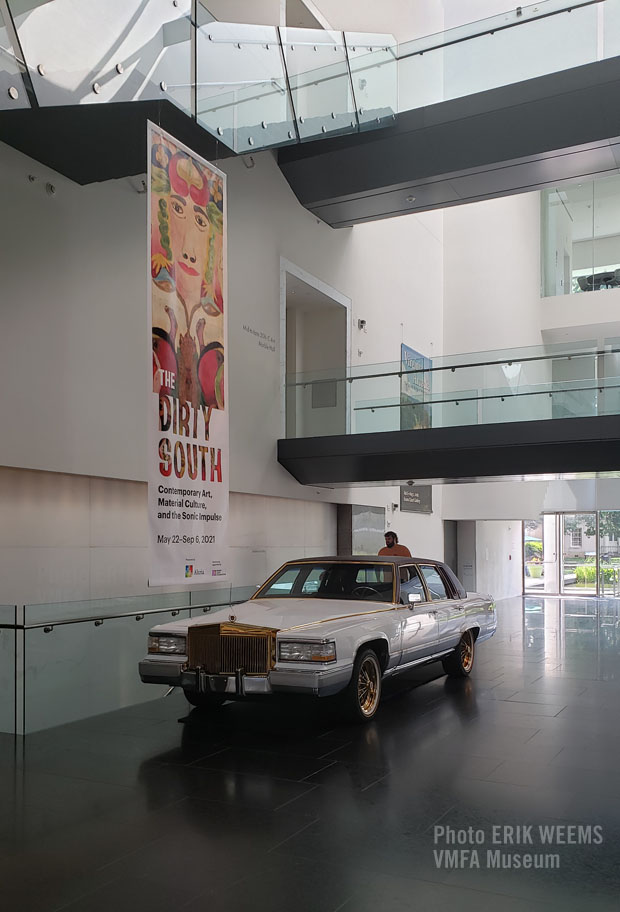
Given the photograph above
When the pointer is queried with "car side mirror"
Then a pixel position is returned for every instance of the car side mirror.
(413, 598)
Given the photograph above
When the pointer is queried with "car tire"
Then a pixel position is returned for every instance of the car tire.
(204, 701)
(363, 693)
(460, 662)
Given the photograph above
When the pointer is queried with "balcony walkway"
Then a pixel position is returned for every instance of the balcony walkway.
(546, 409)
(469, 453)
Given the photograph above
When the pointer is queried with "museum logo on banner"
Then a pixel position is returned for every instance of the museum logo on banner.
(188, 482)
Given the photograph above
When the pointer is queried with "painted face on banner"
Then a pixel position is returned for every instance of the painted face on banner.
(189, 226)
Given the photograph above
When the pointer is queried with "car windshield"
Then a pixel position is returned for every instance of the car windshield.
(371, 582)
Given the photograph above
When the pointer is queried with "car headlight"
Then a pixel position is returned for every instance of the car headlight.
(290, 651)
(175, 645)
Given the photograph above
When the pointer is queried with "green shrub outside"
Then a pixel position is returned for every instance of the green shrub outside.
(587, 574)
(533, 549)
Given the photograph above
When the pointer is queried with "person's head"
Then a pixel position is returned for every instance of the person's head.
(391, 539)
(188, 215)
(189, 225)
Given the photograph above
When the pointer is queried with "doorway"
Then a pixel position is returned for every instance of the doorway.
(315, 324)
(572, 554)
(579, 535)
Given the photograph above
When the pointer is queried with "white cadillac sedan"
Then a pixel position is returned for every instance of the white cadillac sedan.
(324, 626)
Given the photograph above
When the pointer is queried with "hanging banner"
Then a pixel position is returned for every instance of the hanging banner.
(188, 482)
(415, 389)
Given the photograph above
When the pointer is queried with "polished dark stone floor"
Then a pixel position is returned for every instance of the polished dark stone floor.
(286, 807)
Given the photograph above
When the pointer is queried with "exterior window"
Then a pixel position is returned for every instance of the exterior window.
(576, 538)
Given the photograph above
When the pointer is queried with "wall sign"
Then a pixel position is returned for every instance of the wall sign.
(418, 499)
(188, 483)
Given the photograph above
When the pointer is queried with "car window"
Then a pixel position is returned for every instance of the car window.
(372, 574)
(436, 586)
(410, 582)
(341, 580)
(284, 583)
(313, 581)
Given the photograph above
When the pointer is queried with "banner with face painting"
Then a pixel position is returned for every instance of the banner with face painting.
(188, 483)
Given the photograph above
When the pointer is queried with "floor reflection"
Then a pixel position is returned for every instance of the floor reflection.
(575, 631)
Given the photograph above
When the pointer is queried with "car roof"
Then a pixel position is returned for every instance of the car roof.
(364, 558)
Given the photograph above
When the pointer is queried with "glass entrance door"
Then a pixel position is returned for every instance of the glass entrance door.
(540, 554)
(578, 536)
(533, 556)
(609, 552)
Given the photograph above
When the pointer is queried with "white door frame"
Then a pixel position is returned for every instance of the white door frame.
(286, 267)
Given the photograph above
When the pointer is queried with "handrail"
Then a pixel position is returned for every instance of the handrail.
(98, 619)
(497, 28)
(502, 396)
(454, 367)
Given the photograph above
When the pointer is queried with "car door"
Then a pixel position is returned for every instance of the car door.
(449, 613)
(420, 629)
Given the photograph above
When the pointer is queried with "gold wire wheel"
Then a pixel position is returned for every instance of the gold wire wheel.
(467, 652)
(368, 685)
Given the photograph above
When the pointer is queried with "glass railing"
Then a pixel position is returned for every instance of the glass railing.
(525, 384)
(241, 86)
(8, 632)
(86, 51)
(67, 661)
(254, 86)
(523, 43)
(12, 87)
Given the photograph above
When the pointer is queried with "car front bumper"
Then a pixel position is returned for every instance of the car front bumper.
(317, 682)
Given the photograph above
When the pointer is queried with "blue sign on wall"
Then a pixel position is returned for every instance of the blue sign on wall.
(415, 389)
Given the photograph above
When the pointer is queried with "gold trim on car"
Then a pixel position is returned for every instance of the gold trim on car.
(342, 617)
(227, 648)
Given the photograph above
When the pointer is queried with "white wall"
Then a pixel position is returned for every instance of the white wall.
(604, 251)
(459, 12)
(73, 350)
(321, 335)
(401, 18)
(505, 500)
(257, 12)
(69, 537)
(499, 559)
(466, 554)
(589, 315)
(492, 275)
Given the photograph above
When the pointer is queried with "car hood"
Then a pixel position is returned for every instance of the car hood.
(285, 613)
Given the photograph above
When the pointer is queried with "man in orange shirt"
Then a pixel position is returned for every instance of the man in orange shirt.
(392, 548)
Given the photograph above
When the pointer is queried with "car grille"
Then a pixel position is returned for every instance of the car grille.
(228, 648)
